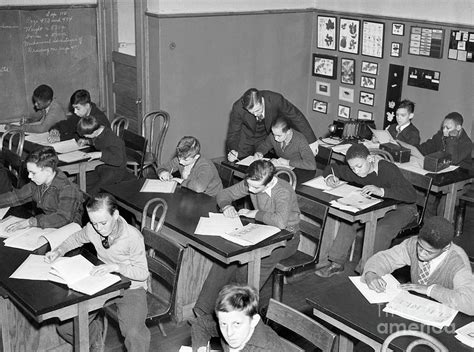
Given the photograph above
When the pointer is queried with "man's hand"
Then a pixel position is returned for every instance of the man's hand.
(94, 155)
(258, 156)
(50, 257)
(19, 225)
(248, 213)
(372, 190)
(423, 289)
(104, 269)
(232, 156)
(375, 282)
(230, 212)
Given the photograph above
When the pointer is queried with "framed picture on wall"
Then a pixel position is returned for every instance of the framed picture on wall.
(367, 82)
(372, 39)
(346, 94)
(326, 32)
(369, 67)
(367, 98)
(396, 49)
(349, 35)
(323, 88)
(364, 115)
(320, 106)
(347, 71)
(343, 111)
(324, 66)
(398, 29)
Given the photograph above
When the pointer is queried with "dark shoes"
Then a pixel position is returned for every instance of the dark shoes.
(330, 270)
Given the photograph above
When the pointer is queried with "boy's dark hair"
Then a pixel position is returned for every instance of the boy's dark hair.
(187, 147)
(80, 96)
(102, 201)
(283, 123)
(87, 125)
(407, 104)
(43, 157)
(437, 232)
(237, 297)
(43, 93)
(251, 97)
(456, 117)
(357, 150)
(261, 170)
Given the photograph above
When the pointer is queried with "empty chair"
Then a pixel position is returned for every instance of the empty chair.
(119, 124)
(11, 149)
(226, 175)
(302, 325)
(135, 146)
(154, 127)
(287, 174)
(423, 339)
(13, 140)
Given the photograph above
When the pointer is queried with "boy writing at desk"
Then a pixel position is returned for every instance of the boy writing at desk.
(59, 199)
(198, 173)
(439, 269)
(379, 178)
(290, 146)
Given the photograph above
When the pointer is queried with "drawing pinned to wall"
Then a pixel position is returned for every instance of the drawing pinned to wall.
(324, 66)
(364, 115)
(367, 98)
(347, 71)
(426, 42)
(367, 82)
(349, 35)
(326, 33)
(396, 49)
(372, 39)
(344, 111)
(346, 94)
(398, 29)
(320, 106)
(323, 88)
(461, 46)
(370, 67)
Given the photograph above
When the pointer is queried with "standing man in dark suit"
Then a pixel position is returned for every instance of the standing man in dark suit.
(251, 120)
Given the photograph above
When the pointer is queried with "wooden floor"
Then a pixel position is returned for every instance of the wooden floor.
(294, 294)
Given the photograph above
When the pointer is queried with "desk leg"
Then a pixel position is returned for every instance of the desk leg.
(450, 202)
(82, 176)
(81, 328)
(369, 239)
(253, 274)
(330, 232)
(345, 344)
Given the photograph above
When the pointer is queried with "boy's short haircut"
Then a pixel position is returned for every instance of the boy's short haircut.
(80, 96)
(240, 298)
(187, 147)
(250, 98)
(456, 117)
(43, 93)
(43, 157)
(102, 201)
(437, 232)
(408, 105)
(87, 125)
(261, 170)
(283, 123)
(357, 150)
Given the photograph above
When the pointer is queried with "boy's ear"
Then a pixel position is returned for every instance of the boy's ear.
(411, 116)
(458, 127)
(255, 320)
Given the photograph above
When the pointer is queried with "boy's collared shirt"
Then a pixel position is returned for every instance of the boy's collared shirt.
(268, 190)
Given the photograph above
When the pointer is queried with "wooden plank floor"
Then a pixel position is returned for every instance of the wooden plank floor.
(294, 294)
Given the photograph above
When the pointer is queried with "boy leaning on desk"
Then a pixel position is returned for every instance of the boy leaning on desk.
(439, 268)
(379, 178)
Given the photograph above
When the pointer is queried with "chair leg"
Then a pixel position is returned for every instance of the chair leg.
(459, 221)
(162, 329)
(104, 332)
(277, 285)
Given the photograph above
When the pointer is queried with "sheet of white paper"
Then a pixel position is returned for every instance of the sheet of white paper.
(72, 156)
(391, 290)
(357, 200)
(7, 222)
(383, 136)
(35, 268)
(251, 234)
(158, 186)
(320, 183)
(465, 334)
(38, 138)
(412, 166)
(66, 146)
(3, 211)
(342, 190)
(217, 224)
(341, 148)
(280, 163)
(248, 160)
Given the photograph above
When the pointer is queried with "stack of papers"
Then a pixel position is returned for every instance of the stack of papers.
(465, 334)
(158, 186)
(217, 224)
(355, 201)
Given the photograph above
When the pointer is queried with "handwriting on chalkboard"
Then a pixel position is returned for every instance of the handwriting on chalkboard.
(49, 34)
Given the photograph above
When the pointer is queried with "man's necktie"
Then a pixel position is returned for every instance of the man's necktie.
(424, 271)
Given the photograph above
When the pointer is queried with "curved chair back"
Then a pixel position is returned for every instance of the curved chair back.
(154, 127)
(423, 339)
(384, 154)
(119, 124)
(158, 214)
(13, 140)
(288, 174)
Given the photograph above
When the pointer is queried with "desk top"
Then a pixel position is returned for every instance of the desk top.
(346, 304)
(185, 207)
(40, 297)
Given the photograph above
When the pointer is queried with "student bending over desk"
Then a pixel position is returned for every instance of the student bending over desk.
(121, 247)
(439, 268)
(50, 190)
(238, 320)
(275, 204)
(111, 150)
(290, 146)
(198, 173)
(380, 178)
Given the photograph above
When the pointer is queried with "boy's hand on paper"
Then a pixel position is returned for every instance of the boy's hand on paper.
(332, 181)
(54, 136)
(82, 142)
(230, 212)
(258, 155)
(375, 282)
(233, 156)
(423, 289)
(94, 155)
(372, 190)
(19, 225)
(165, 176)
(50, 257)
(248, 213)
(104, 269)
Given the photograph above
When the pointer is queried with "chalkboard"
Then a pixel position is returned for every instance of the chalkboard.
(53, 46)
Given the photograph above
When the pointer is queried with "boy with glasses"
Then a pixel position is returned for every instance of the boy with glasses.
(439, 269)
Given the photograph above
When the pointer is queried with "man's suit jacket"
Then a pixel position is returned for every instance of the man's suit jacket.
(242, 124)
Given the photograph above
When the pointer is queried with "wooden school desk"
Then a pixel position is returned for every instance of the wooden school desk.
(185, 207)
(27, 305)
(345, 308)
(308, 197)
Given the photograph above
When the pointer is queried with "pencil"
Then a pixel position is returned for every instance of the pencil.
(208, 347)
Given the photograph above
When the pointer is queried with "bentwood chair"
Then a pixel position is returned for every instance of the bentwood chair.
(287, 174)
(423, 339)
(119, 124)
(154, 127)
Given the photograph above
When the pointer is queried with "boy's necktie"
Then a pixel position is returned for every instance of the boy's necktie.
(424, 271)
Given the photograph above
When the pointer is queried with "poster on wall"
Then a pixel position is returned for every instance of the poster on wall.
(426, 42)
(372, 39)
(349, 35)
(461, 46)
(347, 71)
(326, 32)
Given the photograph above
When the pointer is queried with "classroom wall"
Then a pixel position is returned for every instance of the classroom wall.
(45, 2)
